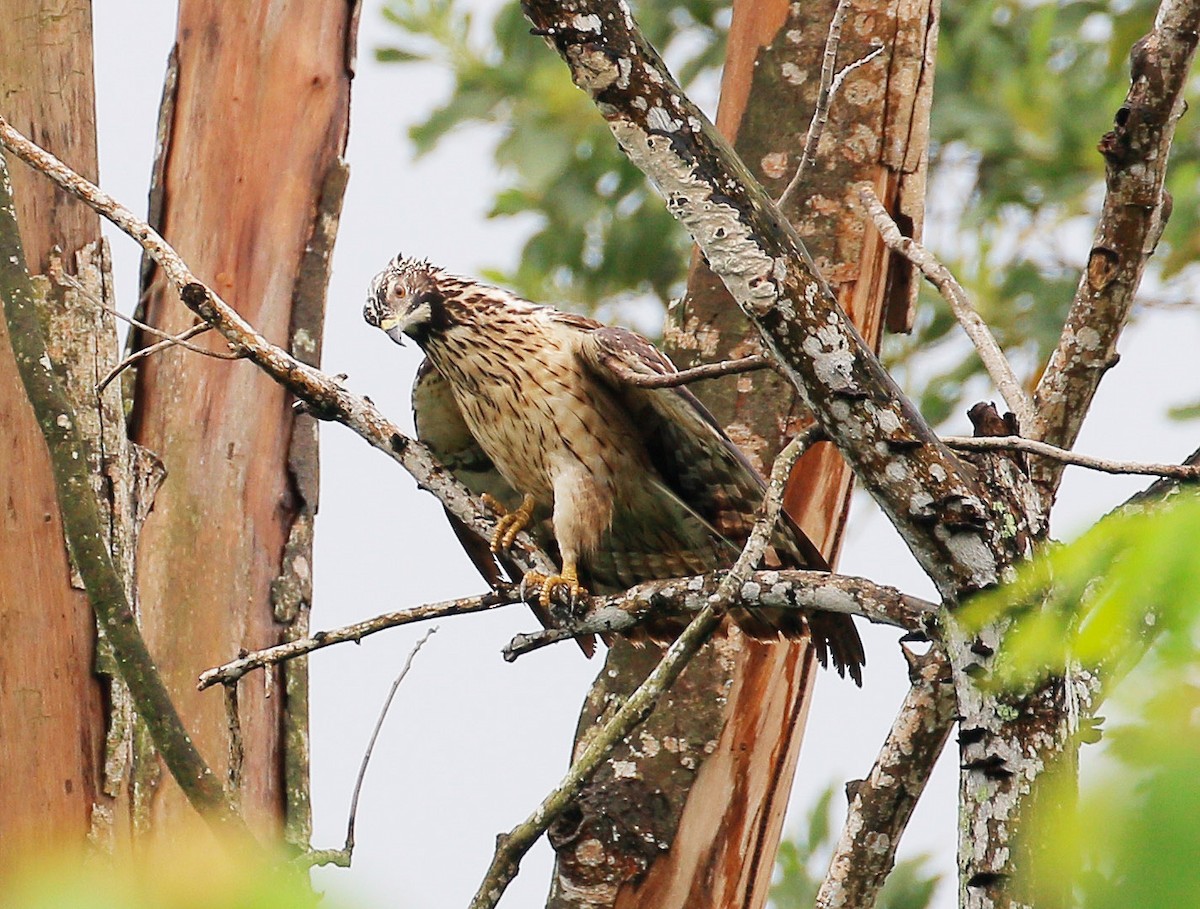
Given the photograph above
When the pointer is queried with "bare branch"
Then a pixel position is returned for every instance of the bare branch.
(1132, 217)
(512, 846)
(269, 656)
(197, 329)
(989, 351)
(881, 805)
(342, 857)
(63, 277)
(812, 591)
(1046, 450)
(695, 374)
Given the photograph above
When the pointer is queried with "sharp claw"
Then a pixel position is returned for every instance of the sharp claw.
(510, 523)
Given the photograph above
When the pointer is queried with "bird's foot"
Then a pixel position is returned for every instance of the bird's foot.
(510, 523)
(547, 585)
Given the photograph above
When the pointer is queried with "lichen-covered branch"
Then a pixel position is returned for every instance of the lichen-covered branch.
(881, 805)
(772, 589)
(1134, 212)
(86, 536)
(928, 494)
(325, 397)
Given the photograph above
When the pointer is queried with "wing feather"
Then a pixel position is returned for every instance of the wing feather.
(708, 473)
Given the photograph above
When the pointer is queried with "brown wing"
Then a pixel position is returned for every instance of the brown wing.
(712, 478)
(440, 425)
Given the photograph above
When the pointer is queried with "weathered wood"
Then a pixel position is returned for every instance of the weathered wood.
(258, 123)
(88, 525)
(709, 773)
(51, 705)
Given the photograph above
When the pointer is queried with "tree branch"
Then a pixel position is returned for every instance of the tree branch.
(976, 329)
(342, 857)
(1132, 218)
(85, 534)
(932, 500)
(695, 374)
(269, 656)
(1046, 450)
(814, 591)
(882, 804)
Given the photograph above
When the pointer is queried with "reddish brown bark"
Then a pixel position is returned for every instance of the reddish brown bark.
(254, 131)
(51, 711)
(718, 799)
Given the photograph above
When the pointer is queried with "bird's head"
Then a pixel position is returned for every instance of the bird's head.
(405, 299)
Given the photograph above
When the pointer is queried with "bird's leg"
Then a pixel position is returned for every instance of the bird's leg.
(510, 523)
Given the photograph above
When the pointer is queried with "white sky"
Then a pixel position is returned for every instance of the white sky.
(473, 743)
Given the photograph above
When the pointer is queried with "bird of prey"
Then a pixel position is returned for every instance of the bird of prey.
(533, 407)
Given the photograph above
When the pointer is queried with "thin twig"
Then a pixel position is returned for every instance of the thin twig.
(197, 329)
(989, 351)
(829, 86)
(695, 374)
(511, 847)
(1046, 450)
(63, 277)
(342, 857)
(235, 669)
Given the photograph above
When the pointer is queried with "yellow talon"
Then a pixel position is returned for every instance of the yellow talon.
(568, 580)
(511, 523)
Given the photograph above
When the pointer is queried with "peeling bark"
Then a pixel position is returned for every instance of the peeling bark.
(231, 524)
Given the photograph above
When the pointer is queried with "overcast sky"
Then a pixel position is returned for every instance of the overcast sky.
(474, 743)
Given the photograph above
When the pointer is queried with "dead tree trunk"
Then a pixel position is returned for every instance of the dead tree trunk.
(51, 704)
(248, 188)
(689, 810)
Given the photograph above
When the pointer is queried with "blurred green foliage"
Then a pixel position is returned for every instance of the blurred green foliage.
(804, 859)
(1025, 89)
(1130, 583)
(192, 872)
(601, 233)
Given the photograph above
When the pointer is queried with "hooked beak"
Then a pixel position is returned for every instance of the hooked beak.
(393, 329)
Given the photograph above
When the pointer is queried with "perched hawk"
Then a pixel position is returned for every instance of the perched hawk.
(625, 483)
